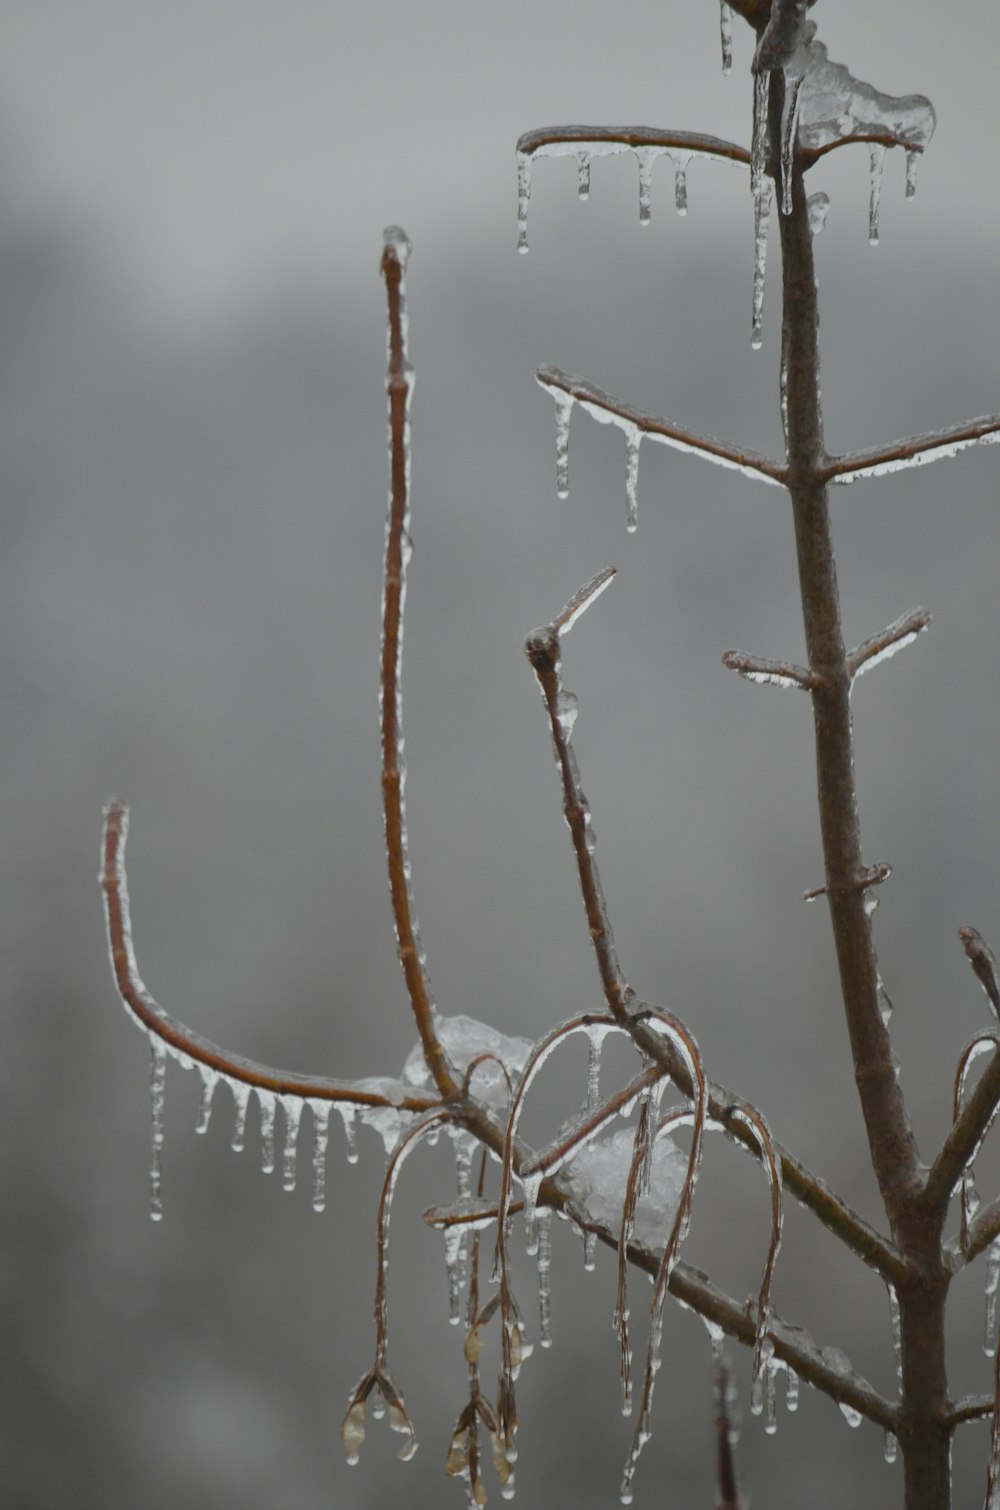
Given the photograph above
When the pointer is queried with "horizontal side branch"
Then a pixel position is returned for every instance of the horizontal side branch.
(913, 451)
(608, 410)
(566, 141)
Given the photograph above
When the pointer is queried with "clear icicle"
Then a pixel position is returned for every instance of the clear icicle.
(544, 1220)
(646, 157)
(349, 1118)
(633, 439)
(876, 158)
(850, 1415)
(890, 1447)
(321, 1134)
(589, 1249)
(267, 1107)
(992, 1280)
(758, 148)
(593, 1074)
(523, 195)
(680, 184)
(454, 1262)
(157, 1092)
(583, 174)
(770, 1372)
(241, 1099)
(209, 1080)
(564, 413)
(789, 132)
(912, 163)
(791, 1389)
(761, 221)
(465, 1147)
(291, 1108)
(726, 35)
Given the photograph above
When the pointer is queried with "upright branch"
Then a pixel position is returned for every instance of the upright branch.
(398, 550)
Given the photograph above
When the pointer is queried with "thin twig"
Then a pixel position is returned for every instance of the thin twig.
(912, 451)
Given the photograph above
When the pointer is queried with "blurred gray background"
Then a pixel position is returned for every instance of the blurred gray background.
(192, 453)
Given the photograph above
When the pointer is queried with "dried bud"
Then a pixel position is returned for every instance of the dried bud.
(474, 1344)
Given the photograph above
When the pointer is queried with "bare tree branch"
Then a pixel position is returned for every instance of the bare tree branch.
(913, 451)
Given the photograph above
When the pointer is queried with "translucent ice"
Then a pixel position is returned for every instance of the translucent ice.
(157, 1087)
(596, 1178)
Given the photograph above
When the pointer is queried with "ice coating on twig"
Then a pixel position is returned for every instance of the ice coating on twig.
(646, 144)
(914, 451)
(464, 1039)
(888, 642)
(984, 965)
(836, 108)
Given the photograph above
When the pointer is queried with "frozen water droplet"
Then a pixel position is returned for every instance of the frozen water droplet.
(349, 1118)
(564, 413)
(523, 195)
(646, 157)
(818, 206)
(633, 439)
(507, 1488)
(912, 164)
(266, 1103)
(589, 1246)
(583, 174)
(850, 1415)
(876, 156)
(890, 1447)
(209, 1080)
(791, 1389)
(726, 35)
(157, 1096)
(291, 1107)
(241, 1098)
(761, 220)
(321, 1133)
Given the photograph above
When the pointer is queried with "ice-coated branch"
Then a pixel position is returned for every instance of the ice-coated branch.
(913, 451)
(638, 426)
(544, 652)
(755, 668)
(984, 965)
(980, 1234)
(182, 1042)
(398, 549)
(969, 1408)
(882, 646)
(646, 143)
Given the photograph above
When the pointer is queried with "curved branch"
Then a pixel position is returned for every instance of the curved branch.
(182, 1041)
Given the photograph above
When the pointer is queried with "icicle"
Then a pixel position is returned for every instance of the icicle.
(789, 130)
(890, 1447)
(791, 1389)
(241, 1098)
(770, 1372)
(321, 1133)
(531, 1234)
(761, 220)
(157, 1090)
(266, 1102)
(583, 174)
(349, 1118)
(850, 1415)
(762, 1387)
(454, 1262)
(564, 413)
(758, 148)
(544, 1278)
(646, 157)
(593, 1074)
(529, 1186)
(912, 163)
(992, 1280)
(633, 439)
(726, 35)
(876, 154)
(291, 1107)
(589, 1249)
(523, 195)
(680, 184)
(209, 1080)
(465, 1147)
(717, 1337)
